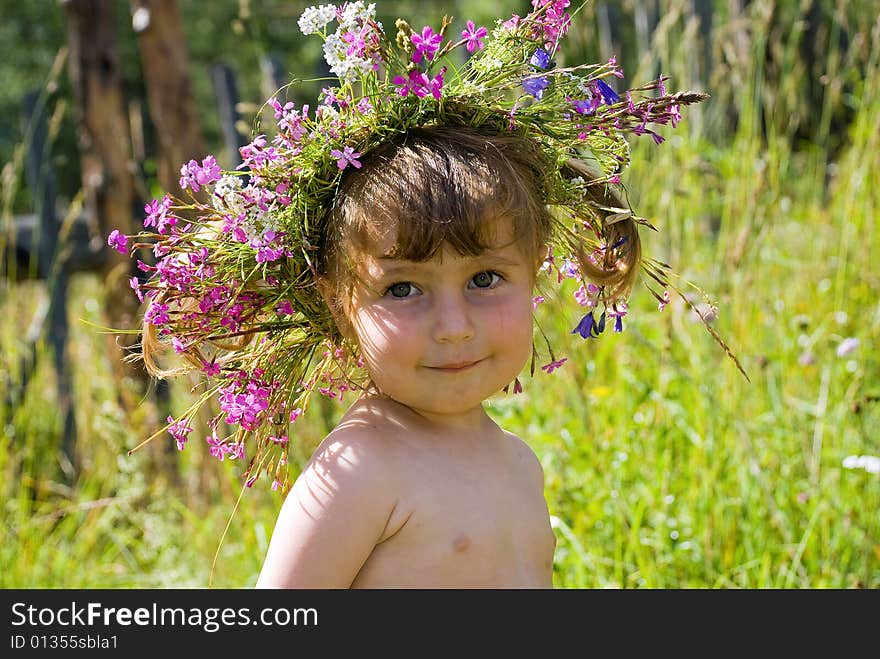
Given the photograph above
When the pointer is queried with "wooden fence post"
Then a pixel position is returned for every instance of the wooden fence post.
(226, 91)
(50, 267)
(173, 109)
(107, 170)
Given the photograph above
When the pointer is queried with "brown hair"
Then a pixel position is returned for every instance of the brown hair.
(432, 186)
(439, 185)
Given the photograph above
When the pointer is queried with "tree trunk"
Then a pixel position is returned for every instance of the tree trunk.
(173, 108)
(107, 170)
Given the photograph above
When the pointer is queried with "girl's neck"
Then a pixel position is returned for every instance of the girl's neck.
(473, 421)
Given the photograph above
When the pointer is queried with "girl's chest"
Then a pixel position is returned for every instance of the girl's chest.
(457, 528)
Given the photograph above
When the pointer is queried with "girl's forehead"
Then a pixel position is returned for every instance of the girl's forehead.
(496, 232)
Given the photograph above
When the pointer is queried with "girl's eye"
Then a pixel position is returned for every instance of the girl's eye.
(485, 279)
(401, 290)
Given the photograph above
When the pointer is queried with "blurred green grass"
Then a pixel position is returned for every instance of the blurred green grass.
(664, 466)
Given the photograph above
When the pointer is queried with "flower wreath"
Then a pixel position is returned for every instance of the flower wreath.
(233, 287)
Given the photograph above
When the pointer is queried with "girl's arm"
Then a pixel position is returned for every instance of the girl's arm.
(334, 515)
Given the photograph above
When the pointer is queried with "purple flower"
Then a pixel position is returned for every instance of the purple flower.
(356, 42)
(157, 214)
(472, 35)
(608, 95)
(194, 176)
(118, 241)
(586, 106)
(586, 297)
(285, 308)
(346, 157)
(540, 59)
(246, 407)
(420, 84)
(618, 311)
(426, 44)
(157, 314)
(135, 284)
(535, 86)
(553, 365)
(586, 327)
(179, 431)
(210, 368)
(217, 448)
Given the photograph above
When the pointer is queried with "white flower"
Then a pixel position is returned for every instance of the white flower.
(351, 68)
(226, 195)
(870, 463)
(334, 50)
(847, 347)
(314, 19)
(356, 14)
(487, 64)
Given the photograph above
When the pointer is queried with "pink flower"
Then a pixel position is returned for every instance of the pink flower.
(346, 157)
(285, 308)
(420, 84)
(663, 301)
(472, 34)
(157, 314)
(157, 214)
(217, 448)
(179, 431)
(194, 176)
(586, 297)
(426, 44)
(136, 287)
(210, 368)
(118, 241)
(295, 414)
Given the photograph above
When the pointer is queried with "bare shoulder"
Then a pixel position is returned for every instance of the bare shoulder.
(336, 512)
(525, 457)
(355, 461)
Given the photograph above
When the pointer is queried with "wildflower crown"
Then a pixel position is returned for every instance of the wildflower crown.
(233, 285)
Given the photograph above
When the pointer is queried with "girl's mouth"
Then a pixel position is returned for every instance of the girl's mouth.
(455, 367)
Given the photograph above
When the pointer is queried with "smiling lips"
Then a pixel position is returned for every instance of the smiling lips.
(457, 367)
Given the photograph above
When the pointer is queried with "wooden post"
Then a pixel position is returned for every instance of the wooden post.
(51, 267)
(172, 105)
(226, 92)
(107, 168)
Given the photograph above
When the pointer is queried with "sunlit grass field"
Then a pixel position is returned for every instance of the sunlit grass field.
(665, 466)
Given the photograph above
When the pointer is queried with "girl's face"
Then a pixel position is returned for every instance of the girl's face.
(441, 336)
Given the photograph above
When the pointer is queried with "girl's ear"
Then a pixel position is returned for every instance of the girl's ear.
(541, 256)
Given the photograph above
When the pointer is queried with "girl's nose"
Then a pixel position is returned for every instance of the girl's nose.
(452, 319)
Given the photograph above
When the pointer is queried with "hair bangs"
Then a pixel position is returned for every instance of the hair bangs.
(435, 187)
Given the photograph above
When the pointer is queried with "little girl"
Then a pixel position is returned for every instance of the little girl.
(386, 248)
(433, 250)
